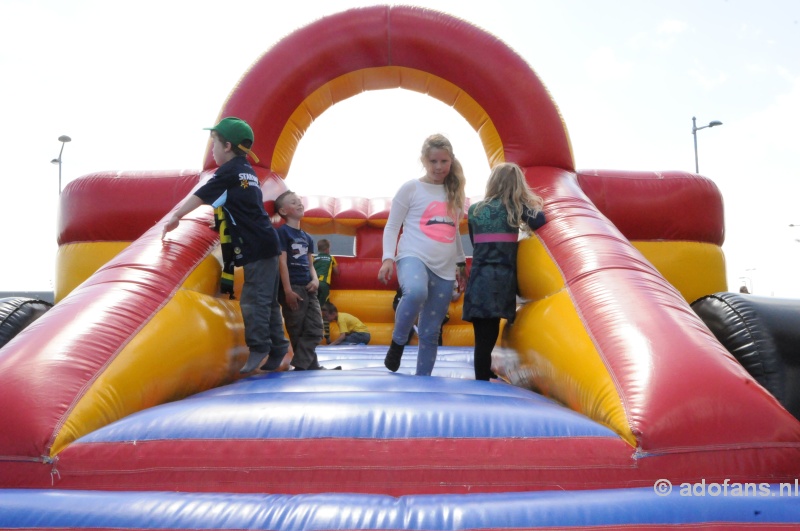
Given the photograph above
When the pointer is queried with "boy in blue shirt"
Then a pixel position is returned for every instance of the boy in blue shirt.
(298, 295)
(235, 193)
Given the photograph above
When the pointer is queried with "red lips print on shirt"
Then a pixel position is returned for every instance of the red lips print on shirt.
(437, 224)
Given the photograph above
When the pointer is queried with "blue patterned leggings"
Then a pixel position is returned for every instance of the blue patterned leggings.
(427, 296)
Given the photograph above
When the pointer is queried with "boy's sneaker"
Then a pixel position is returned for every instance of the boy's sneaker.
(273, 363)
(393, 356)
(252, 362)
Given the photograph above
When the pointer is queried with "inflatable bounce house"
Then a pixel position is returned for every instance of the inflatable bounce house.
(123, 407)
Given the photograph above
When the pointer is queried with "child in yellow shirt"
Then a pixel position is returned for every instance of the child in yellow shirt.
(351, 330)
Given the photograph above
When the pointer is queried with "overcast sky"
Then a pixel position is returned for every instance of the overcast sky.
(134, 83)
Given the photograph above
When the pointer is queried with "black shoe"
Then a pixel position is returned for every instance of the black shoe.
(273, 363)
(319, 367)
(252, 362)
(393, 356)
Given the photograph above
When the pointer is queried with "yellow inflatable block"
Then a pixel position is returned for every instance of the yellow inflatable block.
(374, 309)
(538, 276)
(705, 275)
(370, 306)
(75, 262)
(558, 358)
(159, 365)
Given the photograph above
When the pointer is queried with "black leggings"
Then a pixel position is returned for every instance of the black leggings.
(486, 332)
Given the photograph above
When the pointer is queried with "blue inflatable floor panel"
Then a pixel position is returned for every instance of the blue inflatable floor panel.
(601, 508)
(355, 405)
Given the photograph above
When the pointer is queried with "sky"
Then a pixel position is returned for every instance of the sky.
(134, 84)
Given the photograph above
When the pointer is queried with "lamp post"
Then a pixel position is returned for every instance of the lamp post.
(63, 139)
(695, 129)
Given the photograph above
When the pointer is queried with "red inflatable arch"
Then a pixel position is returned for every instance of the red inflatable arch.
(384, 47)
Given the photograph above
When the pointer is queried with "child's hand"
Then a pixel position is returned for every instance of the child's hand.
(313, 286)
(461, 279)
(293, 299)
(385, 272)
(457, 291)
(169, 226)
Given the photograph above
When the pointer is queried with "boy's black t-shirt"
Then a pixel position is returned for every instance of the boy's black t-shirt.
(297, 244)
(235, 187)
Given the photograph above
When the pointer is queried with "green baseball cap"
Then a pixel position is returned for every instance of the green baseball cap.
(235, 130)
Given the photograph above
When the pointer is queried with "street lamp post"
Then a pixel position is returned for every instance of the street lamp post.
(695, 129)
(63, 139)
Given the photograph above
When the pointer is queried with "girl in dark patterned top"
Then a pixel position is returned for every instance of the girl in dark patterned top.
(494, 227)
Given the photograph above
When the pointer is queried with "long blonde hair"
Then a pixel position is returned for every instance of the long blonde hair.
(455, 181)
(507, 183)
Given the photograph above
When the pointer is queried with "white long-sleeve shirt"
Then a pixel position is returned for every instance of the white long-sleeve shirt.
(429, 232)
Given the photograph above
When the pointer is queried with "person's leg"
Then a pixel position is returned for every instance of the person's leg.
(412, 276)
(295, 321)
(312, 330)
(441, 328)
(486, 332)
(356, 338)
(255, 313)
(323, 294)
(430, 321)
(280, 345)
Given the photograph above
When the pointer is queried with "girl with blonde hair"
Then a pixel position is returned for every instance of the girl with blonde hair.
(429, 256)
(509, 207)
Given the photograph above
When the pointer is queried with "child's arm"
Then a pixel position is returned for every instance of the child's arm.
(461, 270)
(334, 267)
(192, 202)
(338, 339)
(292, 298)
(312, 286)
(534, 222)
(391, 231)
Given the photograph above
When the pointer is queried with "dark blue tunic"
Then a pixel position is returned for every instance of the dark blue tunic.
(492, 285)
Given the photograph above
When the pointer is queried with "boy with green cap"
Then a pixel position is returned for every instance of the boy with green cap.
(235, 193)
